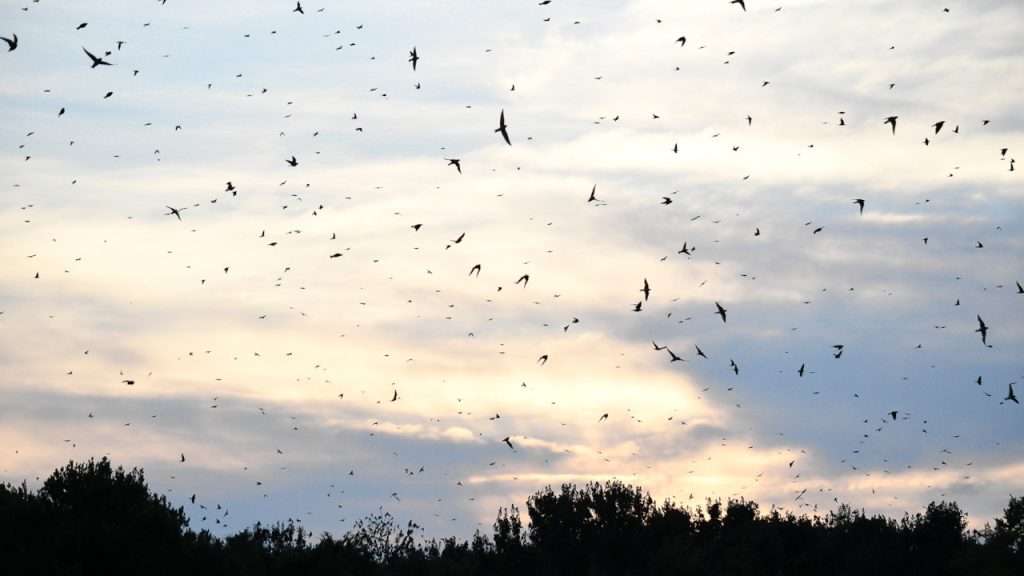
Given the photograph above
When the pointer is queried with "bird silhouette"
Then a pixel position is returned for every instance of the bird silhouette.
(891, 120)
(12, 42)
(503, 128)
(95, 61)
(983, 330)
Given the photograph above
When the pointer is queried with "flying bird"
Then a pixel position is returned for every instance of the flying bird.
(455, 162)
(525, 279)
(503, 128)
(860, 203)
(12, 42)
(414, 58)
(1010, 396)
(742, 4)
(891, 120)
(646, 290)
(298, 8)
(292, 162)
(721, 311)
(174, 212)
(95, 61)
(983, 330)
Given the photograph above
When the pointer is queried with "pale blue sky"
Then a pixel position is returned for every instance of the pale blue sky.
(241, 370)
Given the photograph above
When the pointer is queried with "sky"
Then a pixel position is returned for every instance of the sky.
(311, 355)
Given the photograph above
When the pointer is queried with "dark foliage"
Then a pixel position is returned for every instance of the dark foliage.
(89, 518)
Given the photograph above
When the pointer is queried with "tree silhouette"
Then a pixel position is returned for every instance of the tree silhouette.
(90, 518)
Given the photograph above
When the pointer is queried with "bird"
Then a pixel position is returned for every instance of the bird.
(685, 250)
(174, 212)
(682, 41)
(543, 359)
(742, 4)
(646, 290)
(665, 200)
(938, 125)
(839, 350)
(603, 417)
(475, 269)
(394, 396)
(701, 352)
(292, 162)
(503, 128)
(593, 194)
(860, 203)
(1020, 289)
(672, 356)
(12, 42)
(456, 241)
(656, 347)
(721, 311)
(734, 366)
(455, 162)
(891, 120)
(298, 8)
(801, 370)
(414, 58)
(1010, 396)
(893, 414)
(95, 61)
(507, 440)
(983, 330)
(183, 457)
(525, 279)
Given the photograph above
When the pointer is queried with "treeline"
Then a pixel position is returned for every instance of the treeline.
(89, 518)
